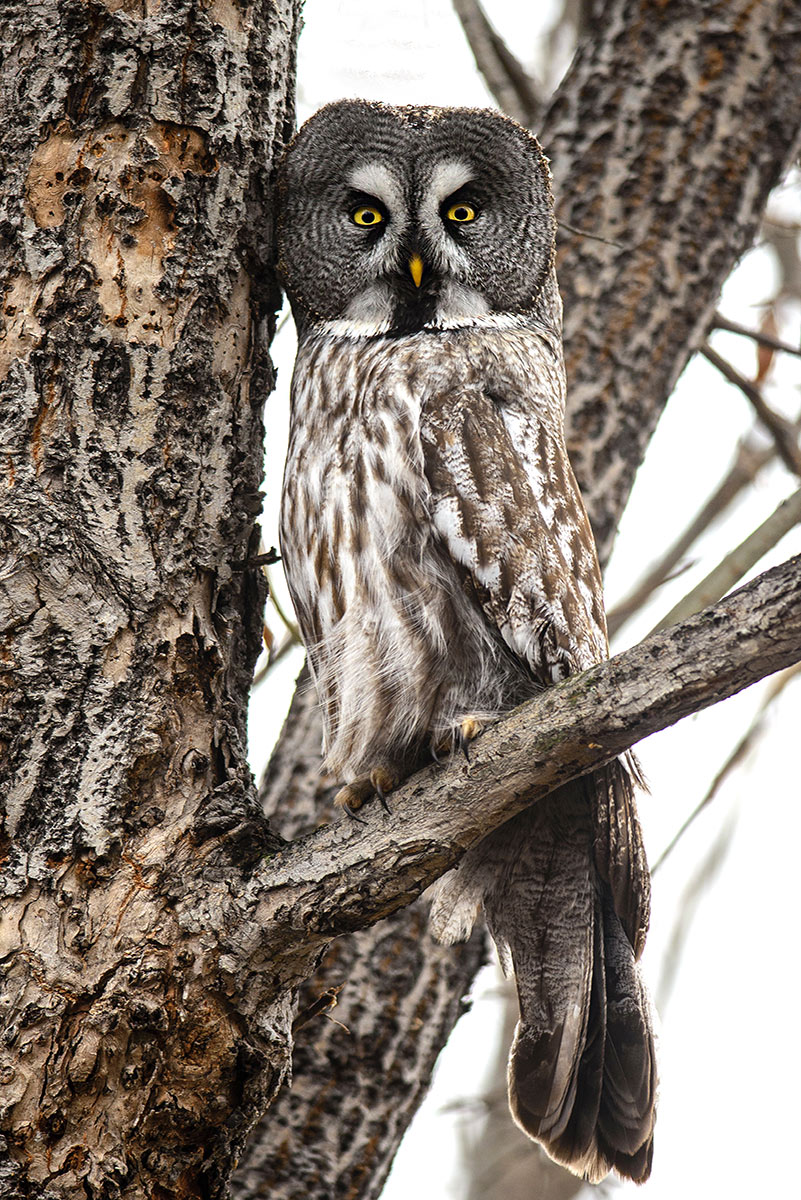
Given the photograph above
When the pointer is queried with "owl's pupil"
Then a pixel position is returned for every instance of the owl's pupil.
(461, 214)
(368, 218)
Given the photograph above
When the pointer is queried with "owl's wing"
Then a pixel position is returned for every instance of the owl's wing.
(505, 504)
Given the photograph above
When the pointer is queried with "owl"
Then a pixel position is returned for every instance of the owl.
(443, 569)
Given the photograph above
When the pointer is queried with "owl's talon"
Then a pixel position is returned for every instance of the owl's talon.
(470, 728)
(459, 739)
(382, 782)
(354, 816)
(353, 795)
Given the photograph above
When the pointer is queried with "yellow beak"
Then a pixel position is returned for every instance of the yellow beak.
(416, 269)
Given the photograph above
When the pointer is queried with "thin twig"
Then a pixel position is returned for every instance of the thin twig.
(780, 429)
(288, 624)
(756, 335)
(746, 742)
(749, 461)
(699, 884)
(596, 237)
(505, 76)
(275, 657)
(739, 561)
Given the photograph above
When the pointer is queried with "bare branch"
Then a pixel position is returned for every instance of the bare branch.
(756, 335)
(738, 562)
(749, 738)
(697, 887)
(783, 240)
(780, 428)
(342, 878)
(505, 76)
(749, 461)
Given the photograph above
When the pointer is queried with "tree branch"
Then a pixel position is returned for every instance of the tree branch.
(780, 429)
(506, 77)
(749, 461)
(733, 760)
(756, 335)
(739, 560)
(640, 153)
(344, 877)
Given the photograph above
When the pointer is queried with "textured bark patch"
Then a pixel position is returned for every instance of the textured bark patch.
(117, 191)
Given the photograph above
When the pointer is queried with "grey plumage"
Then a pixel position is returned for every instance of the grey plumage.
(443, 569)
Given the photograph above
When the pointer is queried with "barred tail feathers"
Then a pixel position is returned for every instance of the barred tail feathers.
(582, 1068)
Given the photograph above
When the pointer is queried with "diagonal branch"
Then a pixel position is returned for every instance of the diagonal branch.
(505, 76)
(749, 461)
(756, 335)
(778, 426)
(738, 561)
(733, 760)
(342, 877)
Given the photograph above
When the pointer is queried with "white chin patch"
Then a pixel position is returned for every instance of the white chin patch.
(367, 314)
(460, 304)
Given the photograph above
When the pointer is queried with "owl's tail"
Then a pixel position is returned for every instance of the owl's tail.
(565, 890)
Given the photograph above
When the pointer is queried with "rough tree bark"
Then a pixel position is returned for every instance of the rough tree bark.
(665, 137)
(153, 935)
(136, 142)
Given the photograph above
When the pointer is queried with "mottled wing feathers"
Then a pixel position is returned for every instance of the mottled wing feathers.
(525, 555)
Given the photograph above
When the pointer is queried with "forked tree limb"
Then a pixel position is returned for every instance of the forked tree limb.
(505, 76)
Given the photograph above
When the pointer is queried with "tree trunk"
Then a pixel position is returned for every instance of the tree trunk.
(137, 141)
(666, 137)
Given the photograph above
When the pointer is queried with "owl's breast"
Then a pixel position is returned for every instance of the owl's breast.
(390, 629)
(355, 496)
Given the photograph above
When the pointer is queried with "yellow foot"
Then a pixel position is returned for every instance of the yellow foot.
(460, 738)
(353, 795)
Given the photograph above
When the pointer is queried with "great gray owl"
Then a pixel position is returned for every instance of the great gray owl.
(443, 569)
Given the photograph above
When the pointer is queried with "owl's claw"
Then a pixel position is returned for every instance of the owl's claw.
(353, 795)
(346, 808)
(382, 797)
(459, 739)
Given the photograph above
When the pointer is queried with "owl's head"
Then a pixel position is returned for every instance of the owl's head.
(397, 219)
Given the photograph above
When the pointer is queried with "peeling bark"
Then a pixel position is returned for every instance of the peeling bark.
(136, 143)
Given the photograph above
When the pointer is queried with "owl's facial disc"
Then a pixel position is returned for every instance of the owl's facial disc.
(393, 220)
(411, 241)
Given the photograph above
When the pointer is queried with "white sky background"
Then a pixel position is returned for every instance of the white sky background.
(730, 1056)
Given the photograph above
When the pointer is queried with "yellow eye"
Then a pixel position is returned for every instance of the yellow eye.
(367, 217)
(461, 213)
